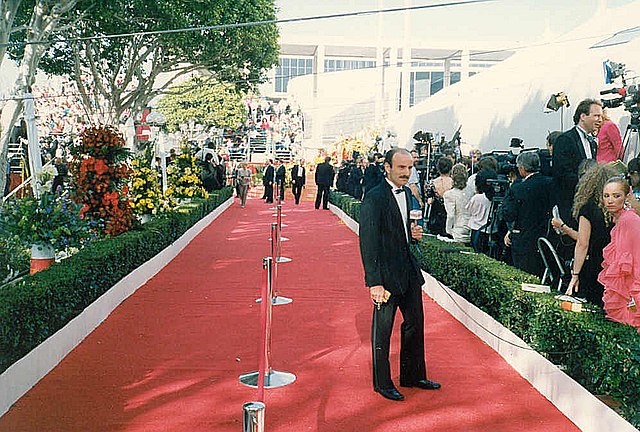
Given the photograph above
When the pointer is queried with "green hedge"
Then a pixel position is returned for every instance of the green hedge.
(35, 308)
(602, 356)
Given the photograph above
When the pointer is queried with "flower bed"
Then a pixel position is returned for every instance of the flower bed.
(603, 356)
(38, 306)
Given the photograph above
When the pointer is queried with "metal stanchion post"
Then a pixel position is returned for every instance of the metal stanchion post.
(275, 298)
(278, 257)
(266, 377)
(253, 417)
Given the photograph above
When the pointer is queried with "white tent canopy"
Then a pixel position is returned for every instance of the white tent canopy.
(509, 99)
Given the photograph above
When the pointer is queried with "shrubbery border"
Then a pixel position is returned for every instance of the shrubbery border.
(40, 305)
(604, 357)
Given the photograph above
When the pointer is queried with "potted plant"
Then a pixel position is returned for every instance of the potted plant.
(47, 224)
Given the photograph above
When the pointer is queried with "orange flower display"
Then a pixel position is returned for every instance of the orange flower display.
(101, 173)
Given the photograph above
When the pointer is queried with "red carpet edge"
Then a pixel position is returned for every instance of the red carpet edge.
(26, 372)
(574, 401)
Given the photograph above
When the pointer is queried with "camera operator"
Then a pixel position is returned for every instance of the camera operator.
(526, 208)
(573, 146)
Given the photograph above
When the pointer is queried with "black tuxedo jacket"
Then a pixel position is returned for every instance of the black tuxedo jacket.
(324, 174)
(301, 180)
(528, 206)
(281, 173)
(568, 153)
(372, 176)
(267, 179)
(384, 249)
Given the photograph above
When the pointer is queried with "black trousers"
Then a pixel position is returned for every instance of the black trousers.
(296, 188)
(268, 192)
(322, 195)
(412, 363)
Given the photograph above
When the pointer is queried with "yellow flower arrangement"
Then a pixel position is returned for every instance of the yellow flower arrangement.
(145, 190)
(182, 176)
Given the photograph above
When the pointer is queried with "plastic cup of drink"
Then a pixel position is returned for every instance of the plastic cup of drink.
(415, 215)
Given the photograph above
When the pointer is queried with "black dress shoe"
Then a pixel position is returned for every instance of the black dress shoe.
(391, 394)
(424, 384)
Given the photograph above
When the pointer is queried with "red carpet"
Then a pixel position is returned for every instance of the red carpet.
(168, 359)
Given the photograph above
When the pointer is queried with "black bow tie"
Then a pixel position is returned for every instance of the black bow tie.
(398, 191)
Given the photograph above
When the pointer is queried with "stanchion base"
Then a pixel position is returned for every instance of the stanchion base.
(271, 380)
(277, 300)
(283, 260)
(283, 225)
(276, 214)
(282, 239)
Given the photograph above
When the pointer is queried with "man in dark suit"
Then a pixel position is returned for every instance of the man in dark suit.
(356, 174)
(393, 277)
(281, 173)
(324, 181)
(570, 149)
(267, 180)
(372, 175)
(527, 210)
(298, 180)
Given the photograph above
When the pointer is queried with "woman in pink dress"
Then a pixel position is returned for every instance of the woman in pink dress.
(621, 265)
(609, 141)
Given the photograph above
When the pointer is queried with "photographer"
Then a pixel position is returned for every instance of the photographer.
(372, 175)
(527, 208)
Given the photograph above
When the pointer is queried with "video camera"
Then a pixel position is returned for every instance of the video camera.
(506, 161)
(629, 94)
(500, 187)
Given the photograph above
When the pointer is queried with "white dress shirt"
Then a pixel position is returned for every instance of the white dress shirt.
(401, 199)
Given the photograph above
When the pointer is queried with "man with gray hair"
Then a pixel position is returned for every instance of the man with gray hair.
(527, 210)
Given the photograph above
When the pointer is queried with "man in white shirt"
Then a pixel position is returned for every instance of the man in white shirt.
(570, 149)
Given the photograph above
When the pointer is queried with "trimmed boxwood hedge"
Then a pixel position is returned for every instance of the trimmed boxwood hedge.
(38, 306)
(601, 355)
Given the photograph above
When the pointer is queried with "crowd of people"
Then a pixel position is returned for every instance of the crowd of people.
(586, 206)
(574, 193)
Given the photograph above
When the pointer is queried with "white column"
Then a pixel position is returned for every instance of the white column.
(466, 58)
(317, 124)
(379, 85)
(447, 72)
(393, 80)
(406, 57)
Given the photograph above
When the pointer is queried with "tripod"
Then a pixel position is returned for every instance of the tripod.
(491, 227)
(630, 143)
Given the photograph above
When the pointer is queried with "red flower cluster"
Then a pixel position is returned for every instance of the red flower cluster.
(101, 173)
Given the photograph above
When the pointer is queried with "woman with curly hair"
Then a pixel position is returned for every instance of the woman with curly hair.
(592, 235)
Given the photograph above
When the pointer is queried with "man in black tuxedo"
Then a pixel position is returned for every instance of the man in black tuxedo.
(393, 277)
(298, 180)
(571, 148)
(324, 181)
(527, 210)
(267, 180)
(281, 173)
(372, 175)
(356, 174)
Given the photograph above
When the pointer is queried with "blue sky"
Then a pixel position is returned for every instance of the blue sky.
(503, 21)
